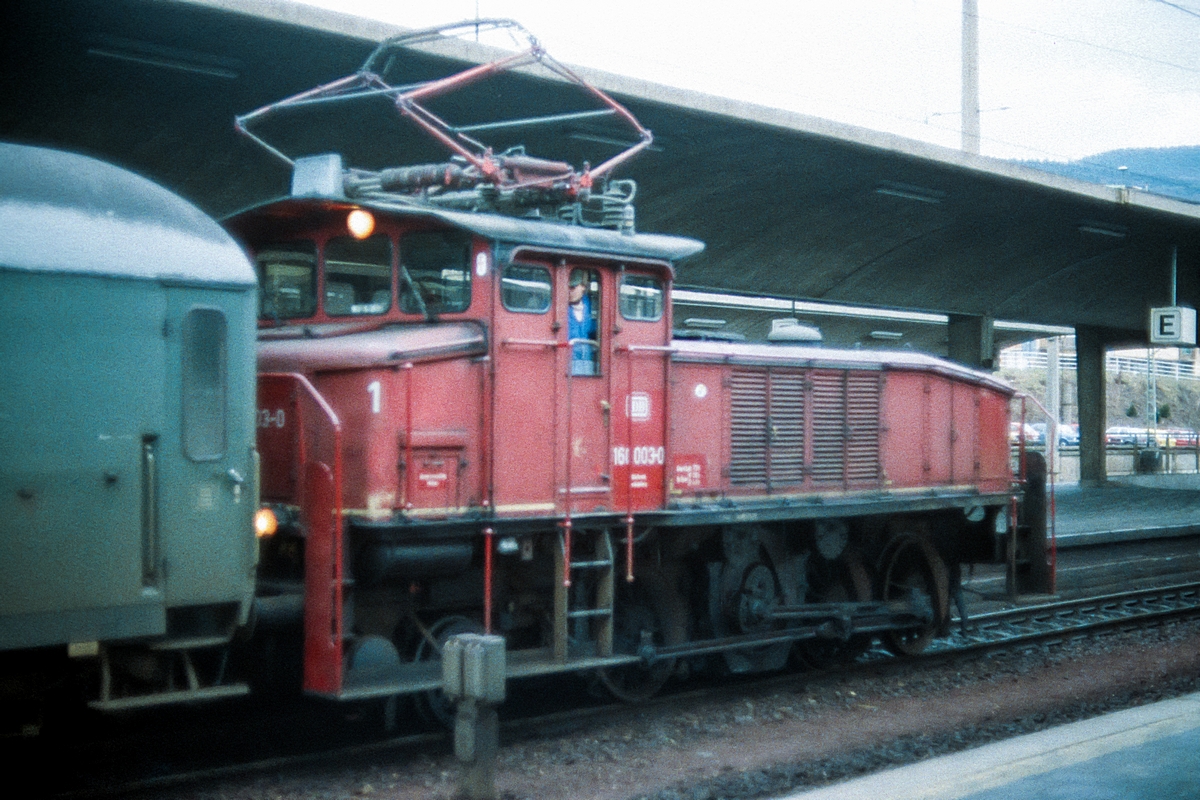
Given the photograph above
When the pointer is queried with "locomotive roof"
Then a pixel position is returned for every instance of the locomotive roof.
(542, 233)
(64, 212)
(810, 356)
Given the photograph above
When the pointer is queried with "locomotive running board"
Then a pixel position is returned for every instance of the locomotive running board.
(426, 676)
(830, 621)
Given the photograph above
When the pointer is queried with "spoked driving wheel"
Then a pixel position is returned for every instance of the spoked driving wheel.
(645, 613)
(912, 566)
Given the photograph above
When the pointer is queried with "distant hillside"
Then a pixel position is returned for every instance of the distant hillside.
(1170, 171)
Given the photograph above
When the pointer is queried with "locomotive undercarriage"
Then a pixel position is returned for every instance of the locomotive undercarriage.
(736, 598)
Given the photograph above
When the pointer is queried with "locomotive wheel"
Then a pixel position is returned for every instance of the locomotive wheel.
(648, 605)
(853, 584)
(432, 707)
(911, 562)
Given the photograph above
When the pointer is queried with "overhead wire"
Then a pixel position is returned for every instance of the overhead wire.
(1178, 7)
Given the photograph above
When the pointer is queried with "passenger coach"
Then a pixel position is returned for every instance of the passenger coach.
(128, 473)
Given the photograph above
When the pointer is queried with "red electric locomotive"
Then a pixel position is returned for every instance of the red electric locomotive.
(475, 418)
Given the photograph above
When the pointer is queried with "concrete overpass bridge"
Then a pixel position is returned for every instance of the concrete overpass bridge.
(792, 207)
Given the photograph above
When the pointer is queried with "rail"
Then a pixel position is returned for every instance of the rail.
(1052, 620)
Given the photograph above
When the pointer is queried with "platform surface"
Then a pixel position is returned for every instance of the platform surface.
(1128, 508)
(1150, 752)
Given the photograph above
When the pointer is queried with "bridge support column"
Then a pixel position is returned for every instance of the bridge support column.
(971, 341)
(1093, 405)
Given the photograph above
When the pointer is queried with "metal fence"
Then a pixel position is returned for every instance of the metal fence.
(1034, 359)
(1127, 460)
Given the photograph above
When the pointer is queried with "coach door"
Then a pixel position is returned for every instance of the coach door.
(203, 464)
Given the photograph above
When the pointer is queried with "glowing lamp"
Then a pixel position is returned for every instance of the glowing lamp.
(361, 223)
(265, 523)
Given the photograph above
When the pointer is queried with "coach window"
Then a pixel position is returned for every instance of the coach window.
(435, 272)
(287, 279)
(204, 354)
(358, 276)
(641, 298)
(525, 289)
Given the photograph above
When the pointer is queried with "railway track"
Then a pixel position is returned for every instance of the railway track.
(1052, 620)
(988, 632)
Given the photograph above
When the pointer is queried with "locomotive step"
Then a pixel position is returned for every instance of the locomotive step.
(590, 612)
(168, 698)
(193, 643)
(590, 564)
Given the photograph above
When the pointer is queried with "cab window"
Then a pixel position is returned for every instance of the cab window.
(583, 316)
(435, 272)
(287, 279)
(641, 298)
(358, 276)
(525, 288)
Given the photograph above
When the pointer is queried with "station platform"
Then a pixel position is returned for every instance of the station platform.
(1146, 753)
(1127, 509)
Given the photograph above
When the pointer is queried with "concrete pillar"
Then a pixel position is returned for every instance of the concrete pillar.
(1093, 405)
(971, 341)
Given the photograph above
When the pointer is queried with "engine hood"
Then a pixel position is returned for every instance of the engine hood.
(321, 348)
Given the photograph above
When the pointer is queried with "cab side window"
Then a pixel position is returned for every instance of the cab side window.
(525, 288)
(641, 298)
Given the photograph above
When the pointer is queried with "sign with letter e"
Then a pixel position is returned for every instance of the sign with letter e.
(1174, 325)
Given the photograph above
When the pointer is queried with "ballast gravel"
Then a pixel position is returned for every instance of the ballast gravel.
(763, 739)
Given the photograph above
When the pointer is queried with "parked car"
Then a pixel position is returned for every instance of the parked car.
(1068, 434)
(1033, 434)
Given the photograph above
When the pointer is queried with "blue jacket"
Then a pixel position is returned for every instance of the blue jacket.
(583, 356)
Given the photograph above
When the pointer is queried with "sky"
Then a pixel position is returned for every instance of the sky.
(1059, 79)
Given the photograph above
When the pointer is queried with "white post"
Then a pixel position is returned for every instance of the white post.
(1053, 400)
(970, 76)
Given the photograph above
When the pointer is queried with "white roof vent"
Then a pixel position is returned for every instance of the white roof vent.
(790, 329)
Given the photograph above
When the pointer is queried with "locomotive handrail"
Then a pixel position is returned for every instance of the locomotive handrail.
(531, 342)
(323, 628)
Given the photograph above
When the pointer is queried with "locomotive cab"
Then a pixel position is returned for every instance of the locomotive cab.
(450, 373)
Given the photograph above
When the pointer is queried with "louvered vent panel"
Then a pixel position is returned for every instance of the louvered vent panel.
(787, 427)
(748, 434)
(862, 419)
(829, 425)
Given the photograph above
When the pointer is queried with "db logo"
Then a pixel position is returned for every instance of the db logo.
(637, 406)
